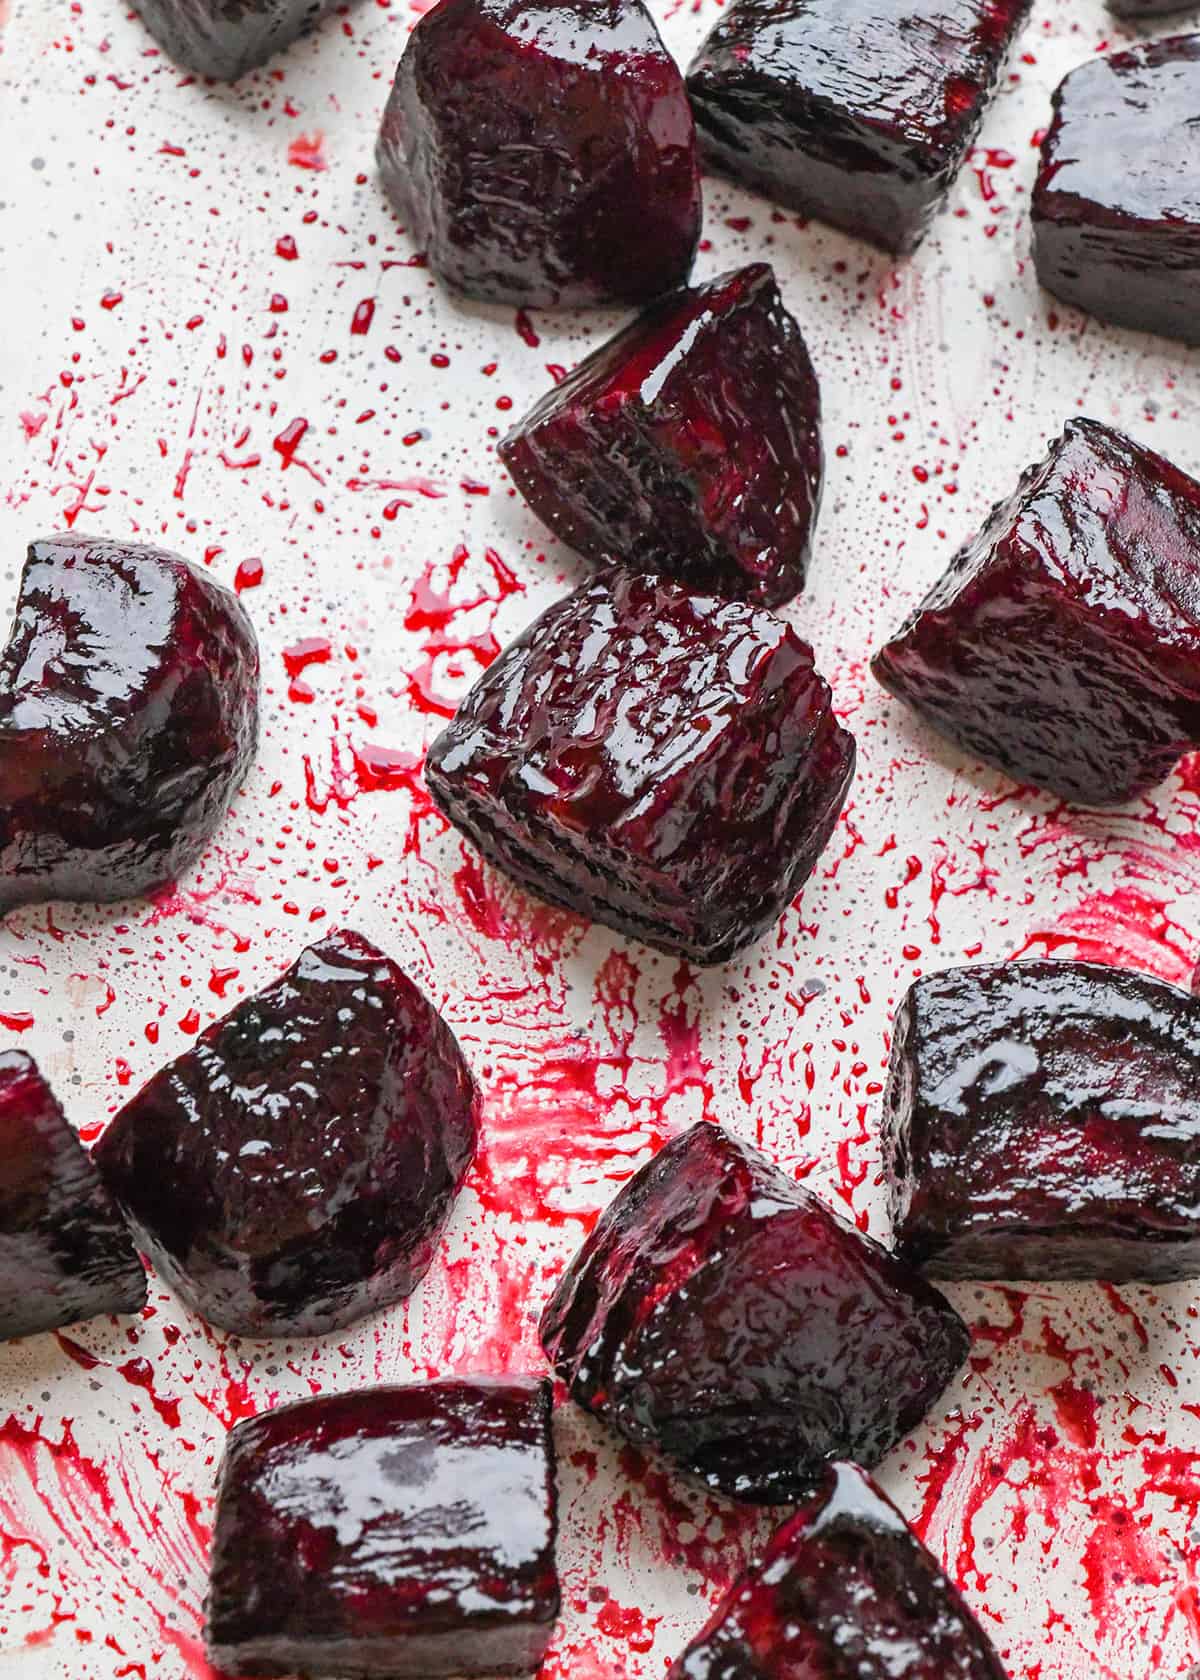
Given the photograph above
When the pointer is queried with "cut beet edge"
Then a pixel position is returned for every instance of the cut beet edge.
(1063, 643)
(293, 1170)
(690, 444)
(226, 38)
(859, 112)
(1116, 206)
(399, 1533)
(128, 717)
(544, 155)
(722, 1316)
(1042, 1120)
(843, 1589)
(65, 1253)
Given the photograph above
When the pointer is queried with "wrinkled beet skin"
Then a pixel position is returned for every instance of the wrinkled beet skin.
(1042, 1120)
(723, 1316)
(393, 1532)
(544, 156)
(689, 445)
(65, 1253)
(844, 1589)
(1116, 207)
(225, 38)
(293, 1170)
(662, 762)
(128, 717)
(1063, 644)
(858, 112)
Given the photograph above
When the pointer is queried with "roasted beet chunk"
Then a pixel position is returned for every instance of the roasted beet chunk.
(1116, 208)
(544, 154)
(844, 1591)
(128, 716)
(225, 38)
(722, 1315)
(65, 1253)
(395, 1532)
(293, 1170)
(1042, 1120)
(1063, 644)
(690, 444)
(859, 112)
(663, 762)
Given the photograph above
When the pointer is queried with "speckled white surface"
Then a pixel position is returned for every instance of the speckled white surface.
(183, 270)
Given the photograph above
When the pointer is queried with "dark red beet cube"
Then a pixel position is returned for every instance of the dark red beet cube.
(1042, 1120)
(293, 1170)
(723, 1316)
(844, 1591)
(858, 112)
(1116, 208)
(544, 154)
(690, 444)
(65, 1252)
(663, 762)
(1063, 643)
(225, 38)
(405, 1533)
(128, 717)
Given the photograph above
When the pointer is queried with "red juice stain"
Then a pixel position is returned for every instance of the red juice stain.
(286, 248)
(31, 424)
(18, 1023)
(219, 979)
(124, 1071)
(140, 1374)
(249, 575)
(525, 329)
(310, 650)
(307, 151)
(360, 321)
(628, 1624)
(381, 769)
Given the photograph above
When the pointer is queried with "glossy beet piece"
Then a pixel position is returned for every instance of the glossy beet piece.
(294, 1169)
(405, 1533)
(1063, 644)
(666, 763)
(544, 155)
(128, 717)
(65, 1252)
(690, 444)
(1116, 208)
(723, 1316)
(1042, 1120)
(858, 112)
(225, 38)
(844, 1591)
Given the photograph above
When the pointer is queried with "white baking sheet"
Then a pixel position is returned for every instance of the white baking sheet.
(161, 352)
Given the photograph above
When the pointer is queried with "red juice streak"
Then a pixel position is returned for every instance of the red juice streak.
(102, 1543)
(364, 314)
